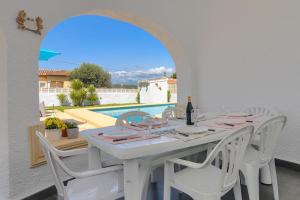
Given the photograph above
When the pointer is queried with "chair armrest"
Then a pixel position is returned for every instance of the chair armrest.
(73, 152)
(90, 173)
(186, 163)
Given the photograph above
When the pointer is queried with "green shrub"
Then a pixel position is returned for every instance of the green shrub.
(62, 98)
(70, 125)
(169, 95)
(78, 93)
(138, 98)
(77, 84)
(78, 97)
(92, 97)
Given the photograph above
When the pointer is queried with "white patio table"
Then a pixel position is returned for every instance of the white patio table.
(140, 157)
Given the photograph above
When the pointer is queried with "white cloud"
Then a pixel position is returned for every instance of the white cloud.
(134, 76)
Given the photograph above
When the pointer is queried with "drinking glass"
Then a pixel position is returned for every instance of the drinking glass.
(149, 121)
(197, 116)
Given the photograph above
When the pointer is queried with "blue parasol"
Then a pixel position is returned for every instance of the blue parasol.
(46, 54)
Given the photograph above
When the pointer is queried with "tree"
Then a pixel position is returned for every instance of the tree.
(92, 97)
(91, 74)
(78, 93)
(174, 75)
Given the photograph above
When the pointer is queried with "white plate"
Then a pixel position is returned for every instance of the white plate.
(191, 129)
(120, 133)
(237, 114)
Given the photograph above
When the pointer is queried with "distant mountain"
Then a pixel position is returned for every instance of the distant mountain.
(132, 77)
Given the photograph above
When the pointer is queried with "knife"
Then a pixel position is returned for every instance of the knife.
(183, 134)
(229, 124)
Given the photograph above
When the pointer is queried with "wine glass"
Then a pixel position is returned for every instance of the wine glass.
(149, 121)
(197, 115)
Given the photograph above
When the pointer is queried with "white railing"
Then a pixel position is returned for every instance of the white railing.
(99, 90)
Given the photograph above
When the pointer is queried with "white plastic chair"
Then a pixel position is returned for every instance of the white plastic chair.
(100, 184)
(169, 113)
(265, 175)
(262, 155)
(174, 112)
(133, 116)
(204, 181)
(259, 110)
(43, 111)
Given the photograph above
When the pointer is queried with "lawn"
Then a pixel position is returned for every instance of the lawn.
(62, 108)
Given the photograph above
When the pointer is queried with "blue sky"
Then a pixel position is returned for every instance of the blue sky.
(128, 52)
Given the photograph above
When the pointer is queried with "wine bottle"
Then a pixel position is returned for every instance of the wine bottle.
(189, 110)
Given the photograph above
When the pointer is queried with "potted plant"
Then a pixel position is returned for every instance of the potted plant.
(53, 127)
(72, 130)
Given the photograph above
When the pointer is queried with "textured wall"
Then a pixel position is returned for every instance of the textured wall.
(248, 54)
(4, 168)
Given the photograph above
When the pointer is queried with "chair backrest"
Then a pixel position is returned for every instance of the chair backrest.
(179, 111)
(54, 162)
(169, 113)
(269, 132)
(42, 109)
(232, 150)
(133, 116)
(259, 110)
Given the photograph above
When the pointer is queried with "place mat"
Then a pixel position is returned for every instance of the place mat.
(155, 124)
(186, 138)
(215, 123)
(247, 118)
(138, 137)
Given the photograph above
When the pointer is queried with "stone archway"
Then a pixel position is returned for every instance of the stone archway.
(165, 37)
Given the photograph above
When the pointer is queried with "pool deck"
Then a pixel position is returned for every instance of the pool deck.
(93, 118)
(98, 119)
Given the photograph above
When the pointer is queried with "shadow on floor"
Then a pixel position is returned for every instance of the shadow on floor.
(288, 181)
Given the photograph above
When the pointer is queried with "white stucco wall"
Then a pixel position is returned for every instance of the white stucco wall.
(154, 92)
(50, 98)
(248, 54)
(4, 167)
(172, 21)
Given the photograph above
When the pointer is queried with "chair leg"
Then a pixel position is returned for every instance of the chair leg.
(251, 174)
(274, 179)
(167, 187)
(237, 190)
(60, 197)
(152, 177)
(265, 176)
(167, 192)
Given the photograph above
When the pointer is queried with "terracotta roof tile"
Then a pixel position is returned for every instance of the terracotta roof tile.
(172, 81)
(50, 72)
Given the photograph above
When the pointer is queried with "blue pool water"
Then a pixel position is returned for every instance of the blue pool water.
(151, 109)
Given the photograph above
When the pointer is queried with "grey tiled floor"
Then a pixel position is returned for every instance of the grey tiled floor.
(288, 180)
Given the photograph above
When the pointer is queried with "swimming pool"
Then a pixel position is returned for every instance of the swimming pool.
(151, 109)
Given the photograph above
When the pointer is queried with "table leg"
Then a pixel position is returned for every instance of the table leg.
(136, 174)
(94, 157)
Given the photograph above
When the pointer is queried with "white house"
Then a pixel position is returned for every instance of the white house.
(156, 90)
